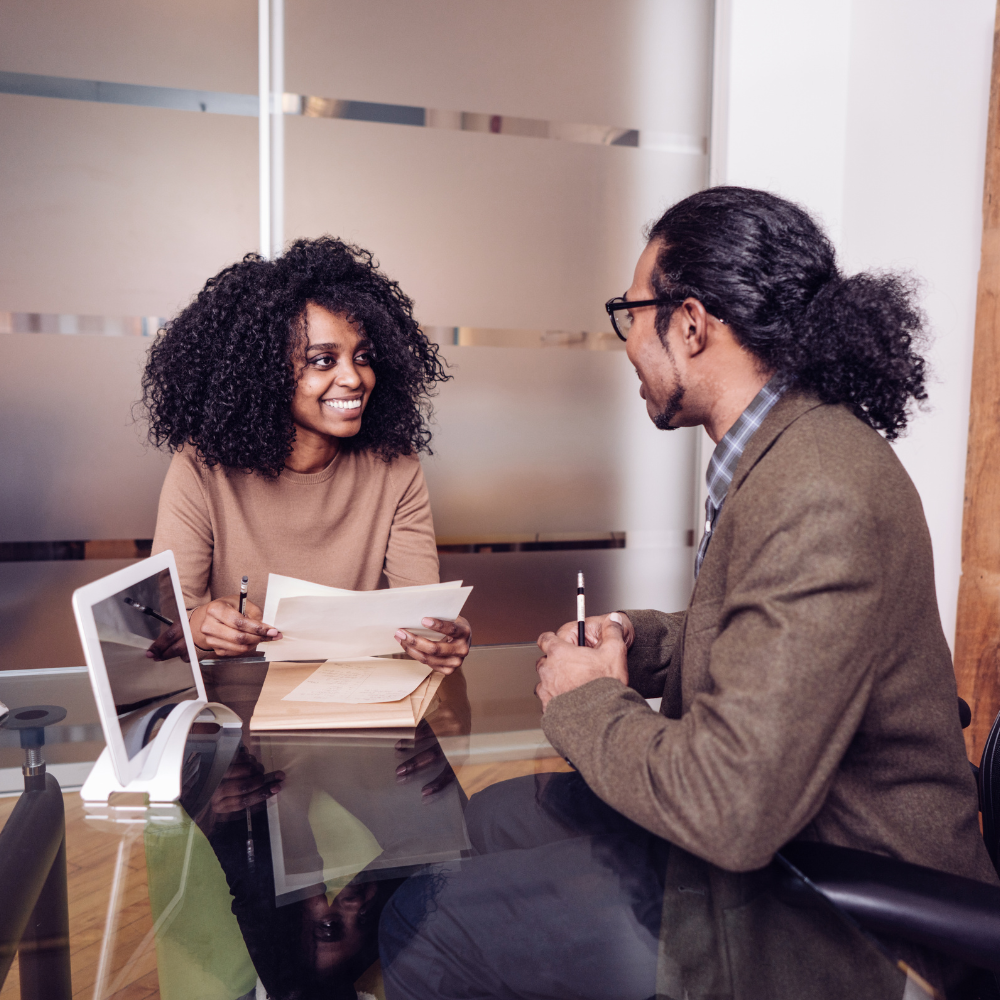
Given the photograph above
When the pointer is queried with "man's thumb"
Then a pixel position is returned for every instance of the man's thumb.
(617, 634)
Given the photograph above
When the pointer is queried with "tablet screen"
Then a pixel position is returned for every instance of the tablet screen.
(145, 689)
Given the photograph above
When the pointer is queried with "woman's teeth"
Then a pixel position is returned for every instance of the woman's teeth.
(343, 404)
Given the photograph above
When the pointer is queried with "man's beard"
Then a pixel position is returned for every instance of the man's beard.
(662, 419)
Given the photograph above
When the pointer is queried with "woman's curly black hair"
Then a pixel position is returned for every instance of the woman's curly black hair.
(220, 375)
(763, 266)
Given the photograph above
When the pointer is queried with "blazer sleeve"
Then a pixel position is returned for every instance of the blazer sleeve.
(651, 666)
(411, 555)
(790, 661)
(184, 524)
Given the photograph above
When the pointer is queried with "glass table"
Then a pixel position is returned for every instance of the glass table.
(465, 858)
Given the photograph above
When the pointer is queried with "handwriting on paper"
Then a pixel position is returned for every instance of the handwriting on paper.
(360, 682)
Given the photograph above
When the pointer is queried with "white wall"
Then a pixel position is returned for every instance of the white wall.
(872, 114)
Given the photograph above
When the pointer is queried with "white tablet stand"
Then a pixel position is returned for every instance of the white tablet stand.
(161, 762)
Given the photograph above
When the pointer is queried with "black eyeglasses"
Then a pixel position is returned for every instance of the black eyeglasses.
(617, 308)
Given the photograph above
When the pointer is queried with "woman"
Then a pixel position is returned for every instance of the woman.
(293, 394)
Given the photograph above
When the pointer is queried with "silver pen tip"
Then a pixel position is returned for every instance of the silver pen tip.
(579, 579)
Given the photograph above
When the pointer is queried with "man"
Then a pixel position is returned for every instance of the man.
(807, 690)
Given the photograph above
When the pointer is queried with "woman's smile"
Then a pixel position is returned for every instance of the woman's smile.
(353, 405)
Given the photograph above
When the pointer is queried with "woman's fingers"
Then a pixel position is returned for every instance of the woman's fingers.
(435, 785)
(228, 633)
(242, 791)
(238, 803)
(168, 645)
(457, 629)
(221, 615)
(444, 664)
(418, 762)
(423, 738)
(444, 654)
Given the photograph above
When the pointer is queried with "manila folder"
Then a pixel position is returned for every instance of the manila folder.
(271, 712)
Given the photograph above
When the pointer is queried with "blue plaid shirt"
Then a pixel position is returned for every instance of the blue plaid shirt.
(722, 464)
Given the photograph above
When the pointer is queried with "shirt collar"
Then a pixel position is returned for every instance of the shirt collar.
(722, 464)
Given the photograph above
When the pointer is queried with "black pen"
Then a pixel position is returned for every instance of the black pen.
(243, 595)
(250, 851)
(147, 611)
(581, 611)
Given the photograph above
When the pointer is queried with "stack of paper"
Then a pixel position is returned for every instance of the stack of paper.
(352, 694)
(322, 623)
(357, 687)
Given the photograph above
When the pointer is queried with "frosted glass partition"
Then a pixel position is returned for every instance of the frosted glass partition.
(75, 465)
(627, 63)
(114, 210)
(179, 43)
(518, 595)
(112, 215)
(37, 628)
(484, 230)
(553, 441)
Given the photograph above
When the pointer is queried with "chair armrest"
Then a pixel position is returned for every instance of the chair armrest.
(956, 916)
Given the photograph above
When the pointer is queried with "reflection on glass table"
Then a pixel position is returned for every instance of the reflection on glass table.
(144, 687)
(464, 859)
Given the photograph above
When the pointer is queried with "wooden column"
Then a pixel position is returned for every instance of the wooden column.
(977, 634)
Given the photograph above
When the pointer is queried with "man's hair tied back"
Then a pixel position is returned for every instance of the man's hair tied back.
(764, 266)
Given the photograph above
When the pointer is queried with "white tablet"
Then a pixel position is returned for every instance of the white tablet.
(139, 699)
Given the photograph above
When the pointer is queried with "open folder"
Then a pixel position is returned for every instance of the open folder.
(278, 706)
(324, 623)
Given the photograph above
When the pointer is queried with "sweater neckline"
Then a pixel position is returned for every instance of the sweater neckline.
(312, 478)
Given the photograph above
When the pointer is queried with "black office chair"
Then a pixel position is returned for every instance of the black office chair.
(988, 777)
(954, 916)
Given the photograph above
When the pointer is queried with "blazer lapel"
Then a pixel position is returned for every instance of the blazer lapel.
(785, 412)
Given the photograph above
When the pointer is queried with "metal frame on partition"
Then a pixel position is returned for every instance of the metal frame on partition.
(271, 124)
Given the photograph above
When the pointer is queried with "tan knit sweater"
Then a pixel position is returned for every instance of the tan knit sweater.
(360, 523)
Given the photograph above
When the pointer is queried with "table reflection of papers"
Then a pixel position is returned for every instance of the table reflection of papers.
(341, 810)
(351, 624)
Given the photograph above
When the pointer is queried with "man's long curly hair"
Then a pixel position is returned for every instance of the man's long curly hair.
(763, 266)
(220, 376)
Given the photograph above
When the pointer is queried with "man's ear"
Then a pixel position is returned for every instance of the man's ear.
(694, 326)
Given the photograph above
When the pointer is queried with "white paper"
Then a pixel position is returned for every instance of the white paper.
(361, 682)
(354, 624)
(288, 586)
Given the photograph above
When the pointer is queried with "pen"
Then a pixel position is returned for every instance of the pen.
(243, 595)
(147, 611)
(250, 853)
(581, 611)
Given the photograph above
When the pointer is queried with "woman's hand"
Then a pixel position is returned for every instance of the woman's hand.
(220, 627)
(217, 627)
(244, 786)
(444, 654)
(426, 753)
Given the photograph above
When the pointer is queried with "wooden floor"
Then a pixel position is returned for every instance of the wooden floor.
(123, 965)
